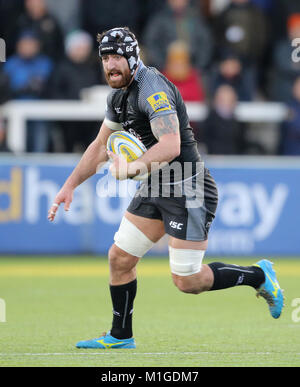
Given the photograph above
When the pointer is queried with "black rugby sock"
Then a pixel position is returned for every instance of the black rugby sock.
(122, 299)
(228, 276)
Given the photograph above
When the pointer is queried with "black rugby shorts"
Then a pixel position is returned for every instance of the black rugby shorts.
(187, 213)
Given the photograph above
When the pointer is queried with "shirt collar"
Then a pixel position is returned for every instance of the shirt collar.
(139, 69)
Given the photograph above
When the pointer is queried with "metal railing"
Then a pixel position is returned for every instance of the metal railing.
(18, 112)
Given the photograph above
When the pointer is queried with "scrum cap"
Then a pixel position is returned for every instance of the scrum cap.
(121, 41)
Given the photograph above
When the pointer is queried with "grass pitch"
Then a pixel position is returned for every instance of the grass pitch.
(51, 303)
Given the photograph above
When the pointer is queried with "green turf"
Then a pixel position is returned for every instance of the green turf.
(51, 303)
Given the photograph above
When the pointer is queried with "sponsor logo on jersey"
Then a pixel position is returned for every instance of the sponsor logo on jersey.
(118, 110)
(107, 48)
(159, 101)
(134, 133)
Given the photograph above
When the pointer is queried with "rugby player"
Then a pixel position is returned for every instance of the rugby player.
(148, 105)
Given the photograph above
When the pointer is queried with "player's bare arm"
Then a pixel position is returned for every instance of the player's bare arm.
(167, 124)
(92, 160)
(166, 131)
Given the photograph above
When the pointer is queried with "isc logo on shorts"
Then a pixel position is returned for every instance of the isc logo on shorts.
(176, 225)
(159, 101)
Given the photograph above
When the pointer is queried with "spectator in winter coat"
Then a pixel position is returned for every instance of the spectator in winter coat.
(38, 18)
(77, 71)
(178, 21)
(290, 131)
(28, 73)
(180, 71)
(221, 129)
(286, 70)
(242, 29)
(231, 70)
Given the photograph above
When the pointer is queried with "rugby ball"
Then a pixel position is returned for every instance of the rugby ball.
(125, 144)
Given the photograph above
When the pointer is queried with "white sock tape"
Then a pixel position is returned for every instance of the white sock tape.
(132, 240)
(185, 262)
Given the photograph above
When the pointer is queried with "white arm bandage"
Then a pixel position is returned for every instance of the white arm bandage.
(112, 125)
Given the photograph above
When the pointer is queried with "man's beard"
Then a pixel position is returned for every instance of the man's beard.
(123, 79)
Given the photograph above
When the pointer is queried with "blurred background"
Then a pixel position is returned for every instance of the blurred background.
(236, 65)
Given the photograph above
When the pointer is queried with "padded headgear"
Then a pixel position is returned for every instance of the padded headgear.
(123, 42)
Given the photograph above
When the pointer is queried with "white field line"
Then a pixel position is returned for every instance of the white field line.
(138, 353)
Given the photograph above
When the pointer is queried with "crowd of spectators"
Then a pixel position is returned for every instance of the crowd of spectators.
(218, 52)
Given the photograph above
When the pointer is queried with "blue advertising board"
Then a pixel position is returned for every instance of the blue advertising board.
(258, 210)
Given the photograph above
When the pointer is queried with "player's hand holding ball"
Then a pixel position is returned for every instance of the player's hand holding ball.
(124, 149)
(118, 167)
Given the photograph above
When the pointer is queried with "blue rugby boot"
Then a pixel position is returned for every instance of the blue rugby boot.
(270, 289)
(106, 341)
